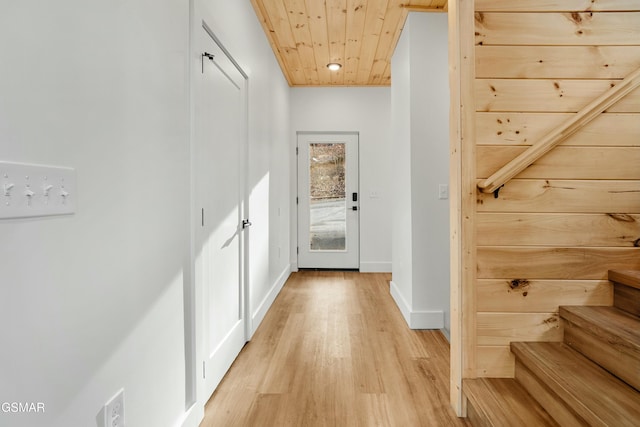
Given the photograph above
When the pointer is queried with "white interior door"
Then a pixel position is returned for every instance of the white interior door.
(220, 116)
(328, 201)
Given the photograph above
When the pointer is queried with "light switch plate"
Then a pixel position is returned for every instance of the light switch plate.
(443, 191)
(28, 190)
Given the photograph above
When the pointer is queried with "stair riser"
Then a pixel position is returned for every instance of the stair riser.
(474, 418)
(547, 398)
(502, 402)
(581, 385)
(626, 298)
(610, 355)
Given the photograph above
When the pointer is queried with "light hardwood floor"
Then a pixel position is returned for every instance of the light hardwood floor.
(334, 350)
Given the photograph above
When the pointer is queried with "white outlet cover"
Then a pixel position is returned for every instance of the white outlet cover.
(114, 411)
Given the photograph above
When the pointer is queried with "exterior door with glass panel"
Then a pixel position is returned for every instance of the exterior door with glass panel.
(328, 201)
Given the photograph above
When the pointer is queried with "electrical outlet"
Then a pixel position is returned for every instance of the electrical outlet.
(114, 411)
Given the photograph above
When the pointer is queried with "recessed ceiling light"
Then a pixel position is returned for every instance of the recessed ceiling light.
(334, 66)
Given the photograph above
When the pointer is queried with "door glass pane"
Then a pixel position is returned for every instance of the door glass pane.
(327, 203)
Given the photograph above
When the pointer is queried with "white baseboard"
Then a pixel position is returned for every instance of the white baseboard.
(400, 302)
(428, 319)
(193, 417)
(432, 319)
(375, 267)
(268, 300)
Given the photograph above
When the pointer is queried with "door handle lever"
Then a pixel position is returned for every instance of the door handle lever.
(246, 223)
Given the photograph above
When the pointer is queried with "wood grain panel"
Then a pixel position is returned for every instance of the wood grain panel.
(526, 195)
(264, 20)
(545, 396)
(566, 162)
(573, 382)
(337, 32)
(276, 25)
(318, 28)
(550, 29)
(547, 95)
(502, 328)
(626, 298)
(302, 36)
(500, 295)
(503, 402)
(306, 35)
(556, 62)
(553, 233)
(608, 336)
(462, 206)
(555, 5)
(371, 34)
(356, 14)
(392, 26)
(630, 278)
(607, 352)
(528, 229)
(609, 129)
(529, 263)
(495, 362)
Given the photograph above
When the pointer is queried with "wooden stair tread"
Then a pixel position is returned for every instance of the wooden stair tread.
(618, 327)
(504, 402)
(589, 390)
(626, 277)
(608, 336)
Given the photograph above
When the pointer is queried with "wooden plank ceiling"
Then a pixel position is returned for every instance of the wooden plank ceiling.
(361, 35)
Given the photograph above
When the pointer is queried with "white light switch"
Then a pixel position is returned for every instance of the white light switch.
(443, 191)
(36, 190)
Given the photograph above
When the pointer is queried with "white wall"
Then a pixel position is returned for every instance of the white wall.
(402, 259)
(93, 302)
(367, 111)
(421, 249)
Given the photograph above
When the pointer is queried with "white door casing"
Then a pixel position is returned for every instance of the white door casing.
(328, 200)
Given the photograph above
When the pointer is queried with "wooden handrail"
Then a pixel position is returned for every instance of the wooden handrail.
(560, 133)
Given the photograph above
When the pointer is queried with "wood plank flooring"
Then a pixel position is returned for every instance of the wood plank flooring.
(334, 350)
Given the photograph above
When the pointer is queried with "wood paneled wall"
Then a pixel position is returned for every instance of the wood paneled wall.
(555, 230)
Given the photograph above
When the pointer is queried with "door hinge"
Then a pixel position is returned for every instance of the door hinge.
(297, 249)
(296, 200)
(202, 218)
(204, 369)
(296, 151)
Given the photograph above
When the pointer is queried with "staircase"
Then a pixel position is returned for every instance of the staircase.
(592, 378)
